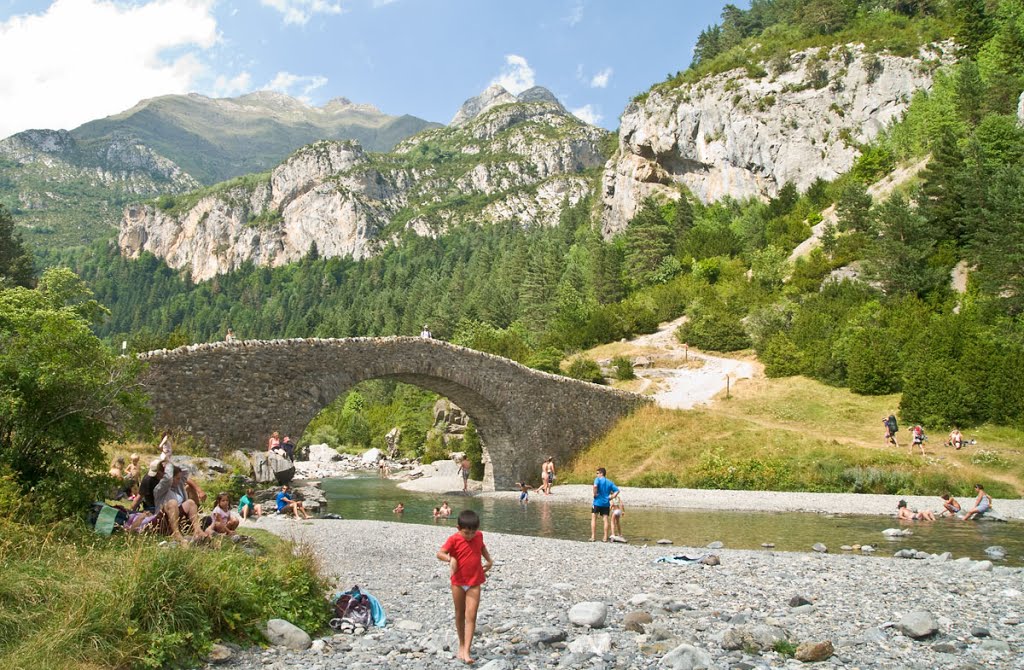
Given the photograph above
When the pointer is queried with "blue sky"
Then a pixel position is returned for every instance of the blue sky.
(64, 62)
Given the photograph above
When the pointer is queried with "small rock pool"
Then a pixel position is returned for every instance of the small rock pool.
(366, 497)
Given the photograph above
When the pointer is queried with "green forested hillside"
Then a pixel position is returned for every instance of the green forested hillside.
(535, 295)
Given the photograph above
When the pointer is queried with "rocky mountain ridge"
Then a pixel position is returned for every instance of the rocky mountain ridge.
(517, 161)
(746, 134)
(69, 187)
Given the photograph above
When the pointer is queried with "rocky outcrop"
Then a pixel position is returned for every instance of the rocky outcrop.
(520, 162)
(737, 135)
(495, 95)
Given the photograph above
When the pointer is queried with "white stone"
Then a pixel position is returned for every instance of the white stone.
(687, 657)
(598, 643)
(321, 453)
(282, 633)
(592, 613)
(372, 456)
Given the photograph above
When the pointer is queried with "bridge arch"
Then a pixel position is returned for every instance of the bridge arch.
(233, 394)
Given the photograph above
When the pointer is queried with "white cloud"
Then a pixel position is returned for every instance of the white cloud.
(517, 76)
(295, 85)
(84, 59)
(575, 14)
(587, 114)
(299, 12)
(600, 80)
(227, 87)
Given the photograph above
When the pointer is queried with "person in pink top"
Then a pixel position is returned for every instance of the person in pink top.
(463, 552)
(274, 442)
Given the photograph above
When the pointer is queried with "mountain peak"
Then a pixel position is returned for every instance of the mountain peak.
(271, 99)
(496, 94)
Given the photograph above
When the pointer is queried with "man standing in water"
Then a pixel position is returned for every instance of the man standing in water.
(547, 475)
(604, 490)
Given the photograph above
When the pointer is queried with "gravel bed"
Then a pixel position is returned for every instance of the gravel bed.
(721, 616)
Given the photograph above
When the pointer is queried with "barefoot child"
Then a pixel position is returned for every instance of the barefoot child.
(463, 551)
(617, 511)
(225, 521)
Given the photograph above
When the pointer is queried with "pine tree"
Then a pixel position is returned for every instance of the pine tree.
(941, 200)
(998, 243)
(16, 266)
(900, 255)
(974, 25)
(648, 240)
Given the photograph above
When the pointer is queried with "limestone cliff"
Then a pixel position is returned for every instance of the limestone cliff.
(508, 160)
(746, 134)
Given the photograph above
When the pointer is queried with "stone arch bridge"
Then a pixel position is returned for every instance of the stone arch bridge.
(233, 394)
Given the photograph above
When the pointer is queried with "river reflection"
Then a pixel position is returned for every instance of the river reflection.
(373, 498)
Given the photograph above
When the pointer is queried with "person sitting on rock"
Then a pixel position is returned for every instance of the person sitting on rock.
(982, 503)
(288, 447)
(908, 515)
(274, 442)
(225, 521)
(949, 504)
(247, 508)
(285, 503)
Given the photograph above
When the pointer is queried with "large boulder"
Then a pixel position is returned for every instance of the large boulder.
(272, 467)
(372, 456)
(281, 633)
(321, 453)
(393, 439)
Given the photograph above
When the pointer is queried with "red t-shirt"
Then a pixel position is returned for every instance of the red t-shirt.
(468, 554)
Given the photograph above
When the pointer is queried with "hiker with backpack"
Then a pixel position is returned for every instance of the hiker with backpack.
(891, 428)
(917, 432)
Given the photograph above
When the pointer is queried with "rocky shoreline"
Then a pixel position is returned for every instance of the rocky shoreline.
(870, 612)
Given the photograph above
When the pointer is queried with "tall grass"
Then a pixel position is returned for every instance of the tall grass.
(791, 435)
(70, 599)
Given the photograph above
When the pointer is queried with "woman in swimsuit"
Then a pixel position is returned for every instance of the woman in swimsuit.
(905, 513)
(982, 503)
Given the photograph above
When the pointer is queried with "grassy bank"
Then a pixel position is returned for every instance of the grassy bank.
(796, 434)
(71, 599)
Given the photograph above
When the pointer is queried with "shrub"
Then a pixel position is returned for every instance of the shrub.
(781, 357)
(658, 479)
(546, 360)
(585, 369)
(623, 368)
(72, 599)
(715, 329)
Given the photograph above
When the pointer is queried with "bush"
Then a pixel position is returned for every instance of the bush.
(546, 360)
(585, 369)
(623, 368)
(71, 599)
(781, 357)
(714, 329)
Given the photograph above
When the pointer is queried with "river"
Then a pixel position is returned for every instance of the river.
(372, 498)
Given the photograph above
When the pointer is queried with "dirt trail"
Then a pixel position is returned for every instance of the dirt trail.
(686, 387)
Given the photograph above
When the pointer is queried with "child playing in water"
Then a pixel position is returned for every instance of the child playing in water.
(949, 504)
(446, 511)
(437, 513)
(524, 493)
(463, 552)
(399, 508)
(617, 511)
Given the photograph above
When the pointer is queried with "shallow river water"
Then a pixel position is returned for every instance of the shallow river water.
(372, 498)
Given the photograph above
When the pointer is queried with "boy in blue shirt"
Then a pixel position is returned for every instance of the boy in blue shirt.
(604, 490)
(285, 503)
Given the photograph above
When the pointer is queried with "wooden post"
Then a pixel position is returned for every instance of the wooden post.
(727, 386)
(686, 352)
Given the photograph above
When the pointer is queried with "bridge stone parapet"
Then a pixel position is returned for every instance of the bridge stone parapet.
(234, 394)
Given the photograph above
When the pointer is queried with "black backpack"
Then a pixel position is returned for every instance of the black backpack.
(893, 428)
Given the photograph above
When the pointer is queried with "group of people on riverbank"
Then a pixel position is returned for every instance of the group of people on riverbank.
(950, 507)
(918, 437)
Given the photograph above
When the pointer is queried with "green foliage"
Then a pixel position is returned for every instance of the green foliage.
(714, 326)
(474, 450)
(72, 599)
(585, 369)
(647, 242)
(781, 357)
(16, 263)
(623, 368)
(61, 393)
(784, 648)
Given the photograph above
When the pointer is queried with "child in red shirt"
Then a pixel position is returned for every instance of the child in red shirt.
(462, 551)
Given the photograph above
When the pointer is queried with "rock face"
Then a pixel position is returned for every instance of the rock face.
(508, 159)
(495, 95)
(735, 135)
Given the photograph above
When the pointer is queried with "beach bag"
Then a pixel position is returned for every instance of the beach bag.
(354, 606)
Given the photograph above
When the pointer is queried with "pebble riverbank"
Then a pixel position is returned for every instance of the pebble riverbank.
(658, 616)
